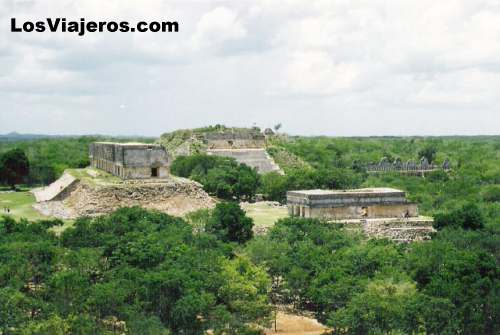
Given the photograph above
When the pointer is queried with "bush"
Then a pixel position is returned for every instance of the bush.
(230, 223)
(274, 186)
(220, 176)
(14, 167)
(492, 193)
(468, 216)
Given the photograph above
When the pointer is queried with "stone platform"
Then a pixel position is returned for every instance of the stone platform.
(94, 192)
(364, 203)
(402, 230)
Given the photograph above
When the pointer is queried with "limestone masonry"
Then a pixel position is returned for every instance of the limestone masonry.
(130, 160)
(234, 139)
(92, 192)
(351, 204)
(381, 212)
(247, 147)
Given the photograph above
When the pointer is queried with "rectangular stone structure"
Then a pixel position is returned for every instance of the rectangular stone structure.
(130, 160)
(234, 140)
(350, 204)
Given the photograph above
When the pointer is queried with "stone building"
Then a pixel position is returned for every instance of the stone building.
(130, 160)
(368, 203)
(234, 139)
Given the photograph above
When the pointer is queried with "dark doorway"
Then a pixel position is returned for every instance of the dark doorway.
(154, 172)
(364, 212)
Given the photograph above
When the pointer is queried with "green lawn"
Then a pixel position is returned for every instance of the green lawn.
(263, 214)
(19, 204)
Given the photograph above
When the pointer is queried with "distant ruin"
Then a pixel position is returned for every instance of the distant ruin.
(234, 138)
(350, 204)
(245, 145)
(93, 192)
(408, 168)
(382, 212)
(130, 160)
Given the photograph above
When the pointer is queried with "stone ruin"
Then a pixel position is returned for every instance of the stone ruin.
(382, 212)
(93, 196)
(130, 160)
(246, 146)
(234, 138)
(410, 167)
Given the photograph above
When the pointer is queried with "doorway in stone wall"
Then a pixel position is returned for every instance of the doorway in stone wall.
(154, 172)
(364, 212)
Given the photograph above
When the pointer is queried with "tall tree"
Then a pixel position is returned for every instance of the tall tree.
(14, 167)
(230, 224)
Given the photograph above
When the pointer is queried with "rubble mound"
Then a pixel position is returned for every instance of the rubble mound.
(93, 196)
(402, 230)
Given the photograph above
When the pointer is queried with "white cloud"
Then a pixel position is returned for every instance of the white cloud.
(317, 73)
(239, 62)
(216, 27)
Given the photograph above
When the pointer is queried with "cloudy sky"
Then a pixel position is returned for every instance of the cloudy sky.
(333, 67)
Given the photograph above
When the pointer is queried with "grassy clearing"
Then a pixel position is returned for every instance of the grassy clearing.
(264, 214)
(20, 205)
(94, 176)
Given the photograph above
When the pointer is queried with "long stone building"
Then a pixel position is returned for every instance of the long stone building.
(130, 160)
(234, 139)
(367, 203)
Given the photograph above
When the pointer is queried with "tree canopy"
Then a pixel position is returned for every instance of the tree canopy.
(140, 271)
(14, 167)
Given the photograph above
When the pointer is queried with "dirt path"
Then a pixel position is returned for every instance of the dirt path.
(289, 324)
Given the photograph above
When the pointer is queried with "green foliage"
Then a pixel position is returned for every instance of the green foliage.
(229, 223)
(151, 271)
(468, 216)
(220, 176)
(48, 158)
(428, 152)
(447, 286)
(274, 185)
(378, 309)
(14, 167)
(139, 271)
(491, 193)
(466, 278)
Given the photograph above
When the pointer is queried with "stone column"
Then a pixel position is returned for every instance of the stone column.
(296, 209)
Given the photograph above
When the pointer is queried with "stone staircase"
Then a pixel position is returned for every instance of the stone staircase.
(55, 189)
(256, 158)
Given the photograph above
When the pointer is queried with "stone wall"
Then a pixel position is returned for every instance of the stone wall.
(399, 230)
(234, 140)
(351, 204)
(355, 212)
(130, 160)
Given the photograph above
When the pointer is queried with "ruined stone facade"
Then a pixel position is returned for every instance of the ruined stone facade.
(351, 204)
(378, 212)
(130, 160)
(236, 139)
